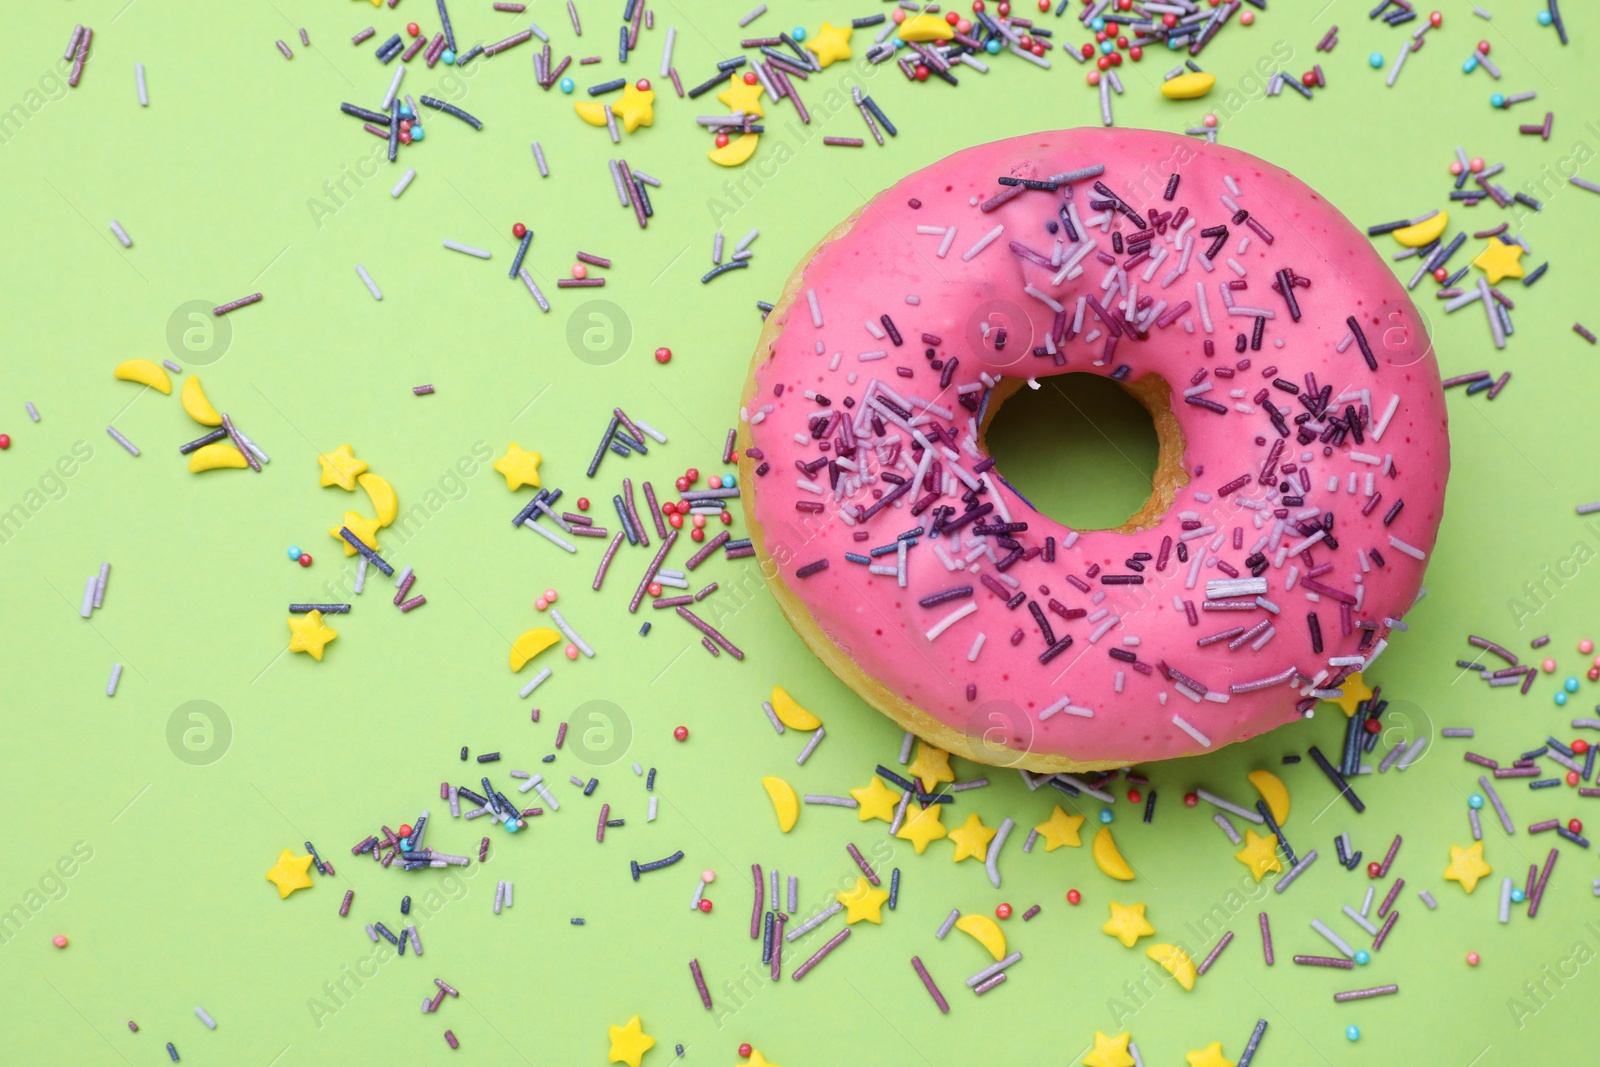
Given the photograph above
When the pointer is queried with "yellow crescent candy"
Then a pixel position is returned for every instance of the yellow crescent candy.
(196, 404)
(1176, 961)
(145, 372)
(784, 801)
(735, 152)
(1425, 232)
(530, 644)
(216, 456)
(1109, 858)
(591, 111)
(381, 493)
(985, 932)
(1274, 792)
(1190, 86)
(791, 714)
(926, 27)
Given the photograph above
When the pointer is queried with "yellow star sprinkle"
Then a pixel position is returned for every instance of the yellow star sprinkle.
(289, 873)
(830, 43)
(1260, 854)
(876, 801)
(629, 1043)
(340, 468)
(863, 901)
(1355, 690)
(308, 633)
(972, 839)
(365, 529)
(1499, 260)
(758, 1060)
(1211, 1056)
(741, 97)
(922, 827)
(635, 108)
(1467, 866)
(1060, 829)
(1109, 1051)
(1127, 923)
(932, 766)
(520, 468)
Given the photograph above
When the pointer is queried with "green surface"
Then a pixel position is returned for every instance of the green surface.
(165, 903)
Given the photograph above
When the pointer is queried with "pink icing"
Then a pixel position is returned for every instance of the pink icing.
(1073, 705)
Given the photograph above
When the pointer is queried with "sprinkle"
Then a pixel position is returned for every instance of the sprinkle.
(449, 109)
(1205, 964)
(456, 246)
(928, 984)
(1266, 939)
(1363, 994)
(234, 305)
(123, 441)
(116, 674)
(834, 942)
(1183, 724)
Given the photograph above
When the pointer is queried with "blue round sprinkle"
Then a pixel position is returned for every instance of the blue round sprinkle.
(1572, 685)
(1497, 100)
(1517, 896)
(1107, 47)
(294, 552)
(566, 85)
(1470, 65)
(1376, 59)
(1561, 699)
(405, 111)
(728, 481)
(1097, 24)
(992, 46)
(448, 57)
(1105, 815)
(512, 825)
(798, 33)
(1363, 957)
(1475, 801)
(1544, 18)
(417, 133)
(1353, 1033)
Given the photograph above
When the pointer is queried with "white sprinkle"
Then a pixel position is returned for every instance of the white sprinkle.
(394, 86)
(405, 180)
(116, 674)
(122, 235)
(1410, 550)
(951, 619)
(456, 246)
(666, 50)
(816, 312)
(138, 80)
(982, 243)
(372, 286)
(538, 159)
(944, 245)
(528, 689)
(571, 634)
(1182, 724)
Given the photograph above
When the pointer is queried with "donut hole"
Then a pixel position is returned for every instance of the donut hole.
(1087, 451)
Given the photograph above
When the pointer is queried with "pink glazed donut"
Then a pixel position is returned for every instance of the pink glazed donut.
(1301, 472)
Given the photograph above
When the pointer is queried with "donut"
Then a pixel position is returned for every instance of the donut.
(1303, 450)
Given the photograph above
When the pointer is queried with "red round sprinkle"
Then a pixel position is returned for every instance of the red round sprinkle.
(1190, 800)
(1309, 79)
(1573, 778)
(951, 17)
(922, 74)
(1575, 826)
(681, 733)
(697, 535)
(518, 230)
(675, 521)
(682, 484)
(727, 518)
(750, 77)
(1136, 53)
(1002, 911)
(1373, 869)
(693, 474)
(5, 440)
(1133, 796)
(1483, 48)
(1073, 896)
(1036, 48)
(404, 137)
(1003, 8)
(643, 85)
(583, 503)
(663, 354)
(977, 7)
(654, 588)
(1472, 957)
(744, 1049)
(413, 29)
(722, 140)
(1434, 19)
(305, 559)
(405, 829)
(1580, 746)
(1372, 726)
(705, 905)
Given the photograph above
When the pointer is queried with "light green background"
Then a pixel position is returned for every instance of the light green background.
(213, 182)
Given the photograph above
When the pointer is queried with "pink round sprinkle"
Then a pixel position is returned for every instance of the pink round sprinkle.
(550, 595)
(1586, 646)
(708, 876)
(572, 651)
(541, 603)
(1549, 666)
